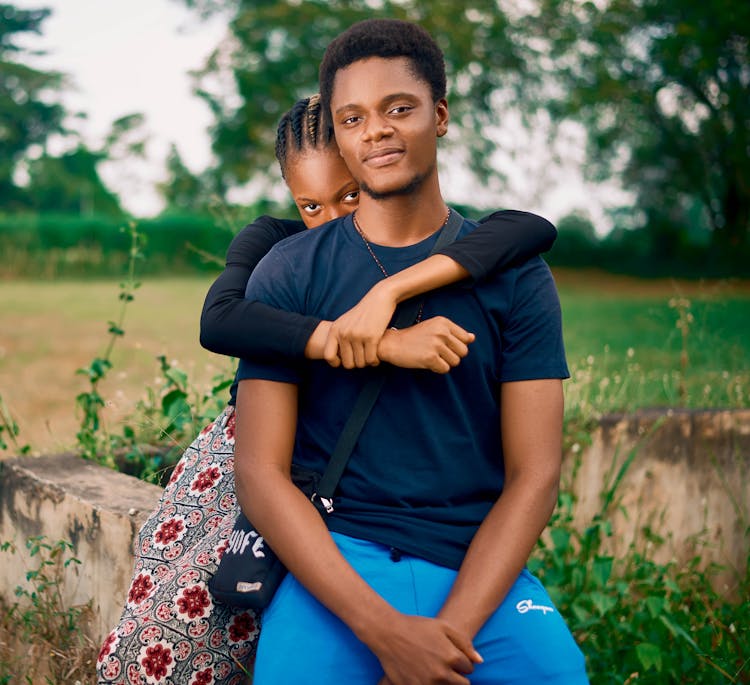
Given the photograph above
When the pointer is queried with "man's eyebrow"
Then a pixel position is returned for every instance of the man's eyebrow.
(384, 101)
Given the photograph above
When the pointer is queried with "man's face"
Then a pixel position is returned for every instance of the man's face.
(387, 125)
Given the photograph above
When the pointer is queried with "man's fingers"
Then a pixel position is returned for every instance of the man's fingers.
(464, 644)
(460, 349)
(347, 355)
(462, 664)
(450, 357)
(371, 353)
(331, 351)
(358, 352)
(439, 365)
(462, 334)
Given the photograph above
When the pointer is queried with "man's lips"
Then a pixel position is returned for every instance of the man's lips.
(383, 156)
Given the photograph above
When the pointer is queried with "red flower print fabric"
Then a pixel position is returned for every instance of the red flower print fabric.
(171, 632)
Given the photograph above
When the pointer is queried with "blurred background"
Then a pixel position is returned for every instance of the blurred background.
(627, 123)
(136, 138)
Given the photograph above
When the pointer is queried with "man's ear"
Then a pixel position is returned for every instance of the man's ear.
(442, 117)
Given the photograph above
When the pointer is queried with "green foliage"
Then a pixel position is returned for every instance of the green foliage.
(662, 89)
(153, 438)
(48, 630)
(186, 193)
(29, 112)
(272, 60)
(631, 353)
(93, 440)
(150, 443)
(55, 246)
(660, 86)
(70, 184)
(9, 432)
(638, 620)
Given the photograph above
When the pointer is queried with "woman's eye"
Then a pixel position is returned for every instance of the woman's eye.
(350, 120)
(353, 196)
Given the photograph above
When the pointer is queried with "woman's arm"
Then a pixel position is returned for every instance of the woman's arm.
(501, 240)
(236, 327)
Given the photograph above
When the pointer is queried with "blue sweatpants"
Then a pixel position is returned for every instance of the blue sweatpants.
(524, 642)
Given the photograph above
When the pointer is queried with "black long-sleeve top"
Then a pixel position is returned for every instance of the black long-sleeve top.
(234, 326)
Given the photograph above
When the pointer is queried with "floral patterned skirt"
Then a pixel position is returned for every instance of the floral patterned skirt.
(171, 631)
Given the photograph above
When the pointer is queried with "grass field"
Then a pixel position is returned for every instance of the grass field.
(624, 346)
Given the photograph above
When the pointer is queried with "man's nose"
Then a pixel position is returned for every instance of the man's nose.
(377, 127)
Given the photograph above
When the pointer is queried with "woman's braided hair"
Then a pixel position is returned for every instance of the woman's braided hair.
(303, 127)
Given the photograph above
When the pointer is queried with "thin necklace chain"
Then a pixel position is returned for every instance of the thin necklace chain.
(378, 262)
(369, 247)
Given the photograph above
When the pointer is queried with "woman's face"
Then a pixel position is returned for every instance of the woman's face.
(321, 185)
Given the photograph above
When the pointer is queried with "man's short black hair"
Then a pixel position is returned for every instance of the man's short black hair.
(384, 38)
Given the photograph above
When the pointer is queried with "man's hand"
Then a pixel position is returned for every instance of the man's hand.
(353, 338)
(436, 344)
(424, 651)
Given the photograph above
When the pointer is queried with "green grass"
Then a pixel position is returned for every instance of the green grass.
(629, 352)
(623, 346)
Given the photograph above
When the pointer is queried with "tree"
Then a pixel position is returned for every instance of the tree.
(184, 191)
(29, 112)
(70, 184)
(272, 54)
(663, 88)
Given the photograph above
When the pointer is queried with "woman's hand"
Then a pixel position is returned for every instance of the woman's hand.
(354, 337)
(436, 344)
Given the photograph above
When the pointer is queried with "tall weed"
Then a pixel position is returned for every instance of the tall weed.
(41, 637)
(636, 620)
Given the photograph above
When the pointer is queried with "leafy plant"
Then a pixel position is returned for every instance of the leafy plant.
(638, 620)
(48, 631)
(9, 432)
(93, 440)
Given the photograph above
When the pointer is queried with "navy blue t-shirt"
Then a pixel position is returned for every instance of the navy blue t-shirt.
(428, 465)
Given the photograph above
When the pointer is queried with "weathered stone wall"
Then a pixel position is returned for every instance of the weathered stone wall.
(689, 478)
(64, 497)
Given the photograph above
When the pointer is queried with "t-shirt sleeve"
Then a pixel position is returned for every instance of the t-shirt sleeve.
(501, 240)
(532, 340)
(237, 327)
(272, 285)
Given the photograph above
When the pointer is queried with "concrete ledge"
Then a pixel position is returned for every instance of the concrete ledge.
(689, 479)
(64, 497)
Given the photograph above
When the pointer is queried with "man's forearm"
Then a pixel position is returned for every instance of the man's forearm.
(406, 646)
(266, 423)
(498, 553)
(531, 420)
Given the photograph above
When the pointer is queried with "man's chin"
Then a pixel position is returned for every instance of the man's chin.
(386, 192)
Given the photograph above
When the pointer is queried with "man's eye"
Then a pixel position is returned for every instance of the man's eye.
(311, 207)
(401, 109)
(353, 196)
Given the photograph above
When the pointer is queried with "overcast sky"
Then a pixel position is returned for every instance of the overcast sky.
(127, 56)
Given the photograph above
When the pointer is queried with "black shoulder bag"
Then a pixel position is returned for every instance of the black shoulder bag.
(249, 572)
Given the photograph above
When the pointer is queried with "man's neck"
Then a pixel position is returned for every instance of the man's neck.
(404, 219)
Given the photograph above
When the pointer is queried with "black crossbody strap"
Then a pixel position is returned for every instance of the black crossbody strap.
(367, 397)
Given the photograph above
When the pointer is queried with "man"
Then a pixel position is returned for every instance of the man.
(418, 575)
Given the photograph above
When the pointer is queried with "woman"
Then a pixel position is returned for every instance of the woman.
(171, 630)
